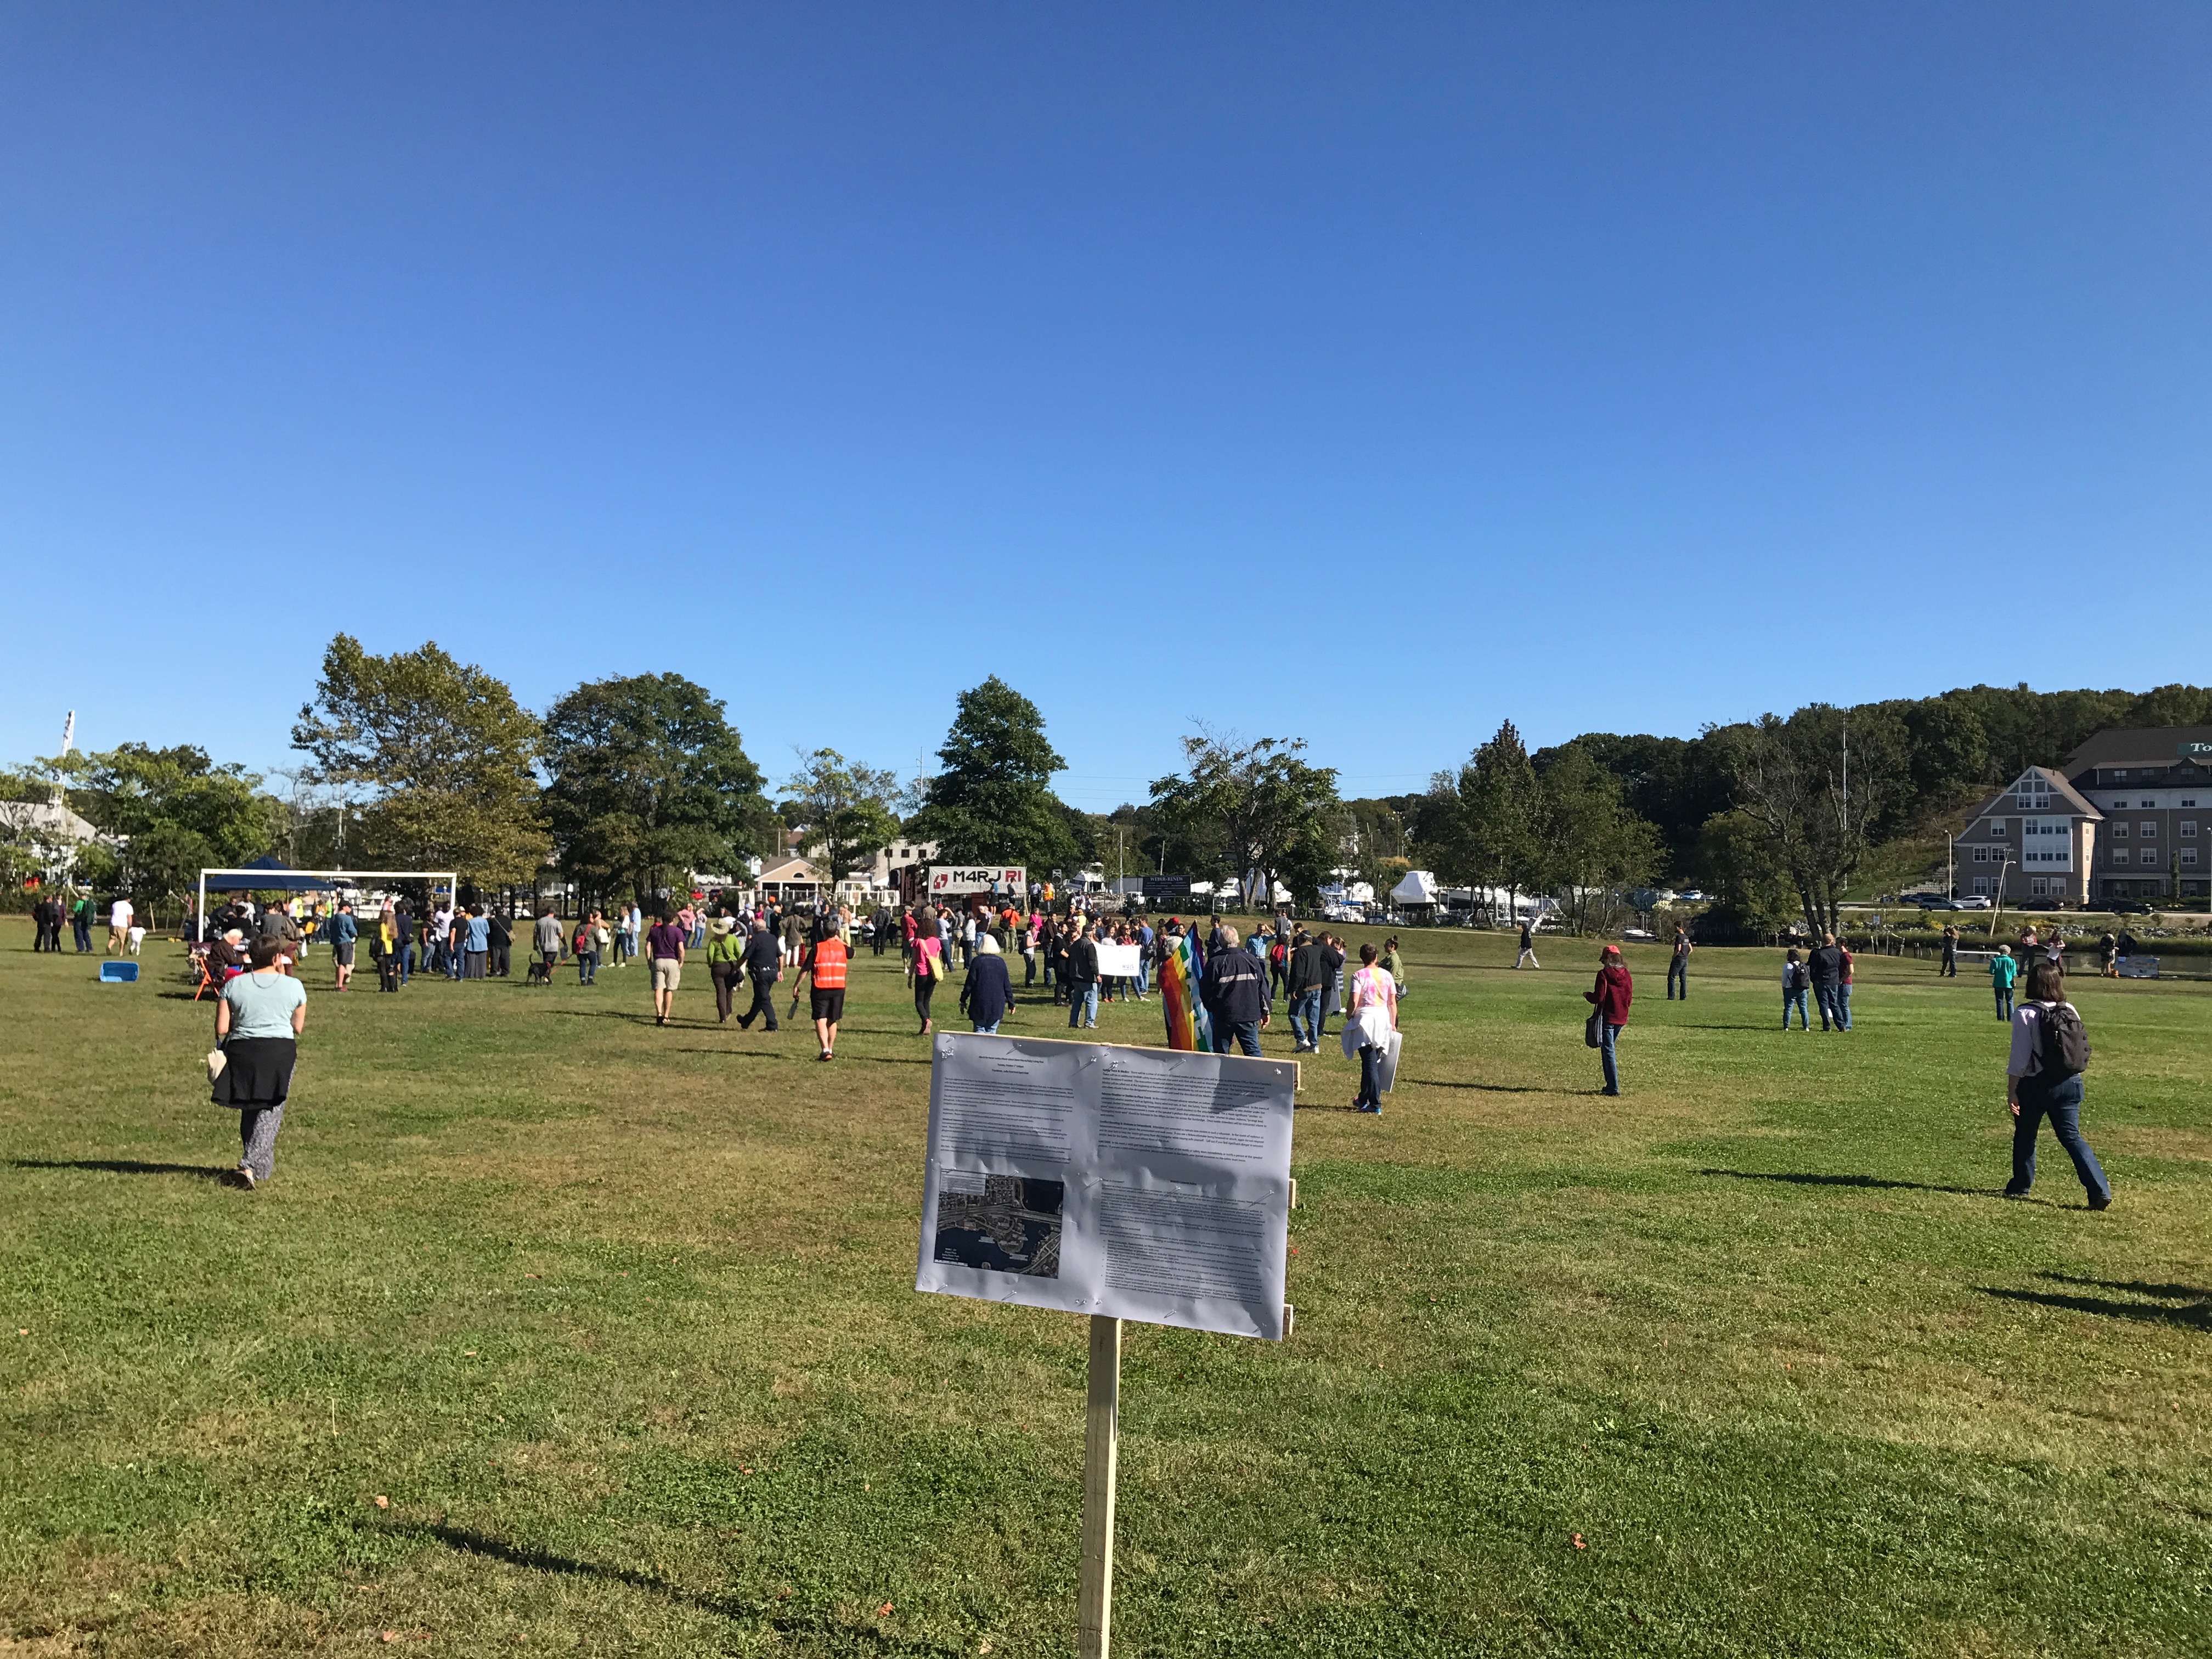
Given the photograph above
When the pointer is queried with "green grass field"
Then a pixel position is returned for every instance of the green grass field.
(559, 1332)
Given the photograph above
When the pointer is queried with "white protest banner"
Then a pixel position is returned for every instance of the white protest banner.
(1131, 1183)
(958, 880)
(1118, 961)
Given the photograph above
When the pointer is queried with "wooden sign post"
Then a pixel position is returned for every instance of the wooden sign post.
(1102, 1442)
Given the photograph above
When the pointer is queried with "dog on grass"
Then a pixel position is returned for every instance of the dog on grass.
(541, 973)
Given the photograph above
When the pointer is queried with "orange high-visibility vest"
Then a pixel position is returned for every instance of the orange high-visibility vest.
(829, 965)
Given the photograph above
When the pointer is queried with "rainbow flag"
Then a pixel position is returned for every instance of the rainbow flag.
(1189, 1026)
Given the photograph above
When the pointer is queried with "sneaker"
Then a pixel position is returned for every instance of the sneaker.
(2103, 1203)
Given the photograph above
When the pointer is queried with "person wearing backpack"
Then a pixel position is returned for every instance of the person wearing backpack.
(2003, 970)
(2043, 1080)
(1795, 983)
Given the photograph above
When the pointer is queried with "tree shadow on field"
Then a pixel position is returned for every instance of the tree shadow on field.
(771, 1614)
(734, 1054)
(1793, 1178)
(119, 1166)
(2196, 1316)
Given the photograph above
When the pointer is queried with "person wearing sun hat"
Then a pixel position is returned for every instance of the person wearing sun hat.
(725, 964)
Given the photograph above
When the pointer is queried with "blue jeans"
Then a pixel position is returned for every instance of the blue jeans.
(1305, 1017)
(991, 1029)
(1796, 999)
(406, 965)
(1082, 1004)
(1678, 973)
(1843, 1004)
(1371, 1080)
(588, 966)
(1607, 1033)
(1247, 1033)
(2004, 1003)
(1831, 1012)
(2061, 1103)
(1144, 973)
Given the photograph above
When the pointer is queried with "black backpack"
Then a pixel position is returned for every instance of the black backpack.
(2062, 1044)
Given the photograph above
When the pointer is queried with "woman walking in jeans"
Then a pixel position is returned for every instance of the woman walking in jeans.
(1612, 993)
(2037, 1086)
(1372, 988)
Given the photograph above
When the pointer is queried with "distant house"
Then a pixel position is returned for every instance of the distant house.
(2154, 788)
(793, 881)
(2033, 842)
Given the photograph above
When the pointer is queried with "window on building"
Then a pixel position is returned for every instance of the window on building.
(1982, 885)
(1997, 827)
(2189, 858)
(2146, 802)
(2039, 887)
(2147, 829)
(2119, 775)
(2120, 831)
(2189, 829)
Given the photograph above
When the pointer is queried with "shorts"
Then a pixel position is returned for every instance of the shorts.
(667, 973)
(343, 954)
(829, 1005)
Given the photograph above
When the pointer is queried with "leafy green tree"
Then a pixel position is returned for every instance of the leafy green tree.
(134, 790)
(993, 802)
(846, 808)
(1482, 827)
(1260, 812)
(649, 782)
(1735, 862)
(446, 752)
(1591, 845)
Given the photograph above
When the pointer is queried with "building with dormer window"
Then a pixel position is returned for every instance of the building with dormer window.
(2154, 788)
(2031, 843)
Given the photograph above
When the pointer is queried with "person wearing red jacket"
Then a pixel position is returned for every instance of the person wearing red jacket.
(1613, 992)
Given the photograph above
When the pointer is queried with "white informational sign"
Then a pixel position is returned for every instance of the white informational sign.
(1118, 960)
(1138, 1183)
(957, 880)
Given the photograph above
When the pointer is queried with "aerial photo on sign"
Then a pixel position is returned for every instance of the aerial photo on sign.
(1140, 1183)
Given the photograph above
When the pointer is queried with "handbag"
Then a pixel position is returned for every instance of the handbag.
(1591, 1037)
(216, 1060)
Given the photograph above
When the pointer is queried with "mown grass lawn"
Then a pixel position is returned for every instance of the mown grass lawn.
(618, 1323)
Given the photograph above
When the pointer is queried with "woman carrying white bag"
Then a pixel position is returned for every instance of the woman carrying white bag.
(1371, 1034)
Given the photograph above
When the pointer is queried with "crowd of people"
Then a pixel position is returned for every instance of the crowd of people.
(249, 954)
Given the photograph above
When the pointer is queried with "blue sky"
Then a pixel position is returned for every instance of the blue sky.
(1360, 374)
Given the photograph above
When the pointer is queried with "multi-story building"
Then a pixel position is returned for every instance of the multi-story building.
(2033, 843)
(2154, 789)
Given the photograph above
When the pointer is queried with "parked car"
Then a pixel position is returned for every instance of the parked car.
(1935, 901)
(2127, 908)
(1971, 901)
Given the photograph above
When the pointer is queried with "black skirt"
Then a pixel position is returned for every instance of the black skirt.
(257, 1071)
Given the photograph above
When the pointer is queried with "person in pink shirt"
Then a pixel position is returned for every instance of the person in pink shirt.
(1375, 1016)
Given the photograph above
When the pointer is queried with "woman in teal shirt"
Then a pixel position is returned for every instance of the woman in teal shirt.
(257, 1022)
(2003, 970)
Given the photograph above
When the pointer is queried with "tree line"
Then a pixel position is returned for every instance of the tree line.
(626, 786)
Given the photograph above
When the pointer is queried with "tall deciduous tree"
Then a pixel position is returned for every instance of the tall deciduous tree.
(446, 752)
(846, 807)
(1259, 812)
(1817, 784)
(649, 782)
(173, 812)
(1481, 827)
(993, 801)
(1591, 845)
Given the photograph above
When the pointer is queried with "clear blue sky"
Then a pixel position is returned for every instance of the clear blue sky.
(1609, 367)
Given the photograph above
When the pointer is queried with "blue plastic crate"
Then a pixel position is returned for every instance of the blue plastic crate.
(118, 973)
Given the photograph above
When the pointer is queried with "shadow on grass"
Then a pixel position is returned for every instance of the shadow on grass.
(1795, 1178)
(2168, 1292)
(735, 1054)
(2197, 1316)
(1486, 1087)
(119, 1166)
(478, 1544)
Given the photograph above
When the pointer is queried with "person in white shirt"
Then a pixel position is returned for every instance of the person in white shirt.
(137, 938)
(2038, 1086)
(119, 927)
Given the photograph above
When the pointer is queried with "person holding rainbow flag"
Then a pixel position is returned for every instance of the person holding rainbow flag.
(1190, 1028)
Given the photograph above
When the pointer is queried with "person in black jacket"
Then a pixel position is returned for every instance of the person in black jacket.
(1307, 970)
(501, 935)
(1235, 990)
(763, 960)
(988, 993)
(1825, 965)
(1082, 975)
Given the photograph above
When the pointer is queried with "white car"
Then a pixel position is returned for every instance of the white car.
(1976, 901)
